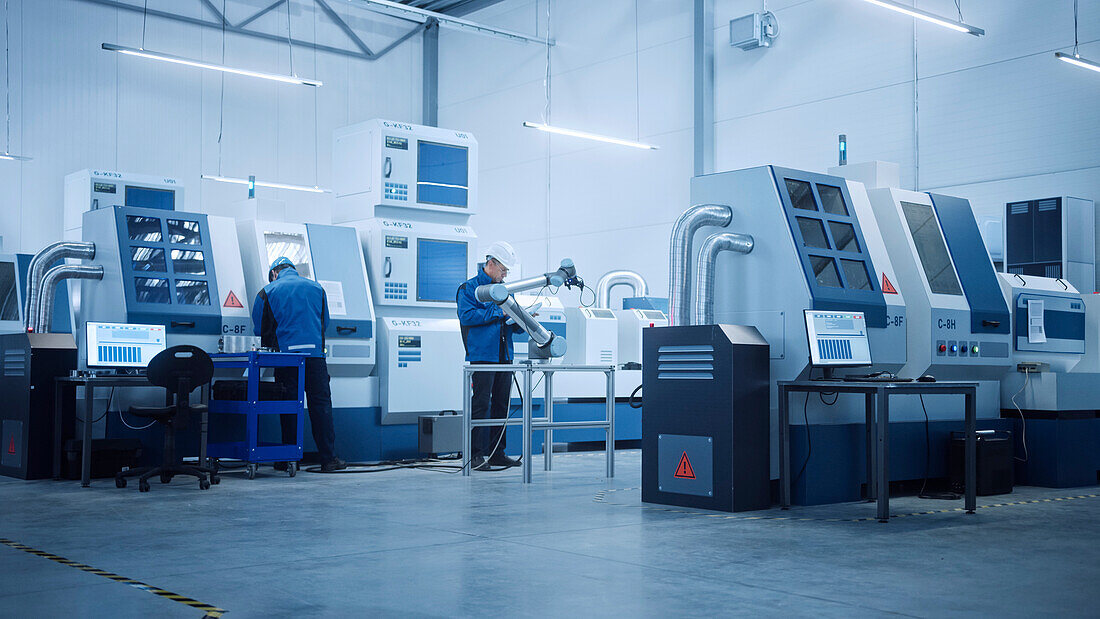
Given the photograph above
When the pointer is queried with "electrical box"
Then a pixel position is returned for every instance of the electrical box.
(753, 31)
(419, 368)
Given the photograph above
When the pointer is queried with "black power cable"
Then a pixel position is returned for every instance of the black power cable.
(944, 496)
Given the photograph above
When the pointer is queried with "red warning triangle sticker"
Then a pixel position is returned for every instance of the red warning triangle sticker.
(232, 301)
(11, 444)
(684, 470)
(887, 287)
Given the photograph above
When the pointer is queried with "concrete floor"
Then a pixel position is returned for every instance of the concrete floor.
(419, 543)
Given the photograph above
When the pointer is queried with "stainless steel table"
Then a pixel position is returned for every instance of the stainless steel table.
(877, 402)
(545, 423)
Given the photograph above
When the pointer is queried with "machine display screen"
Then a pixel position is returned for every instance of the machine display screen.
(163, 199)
(192, 292)
(123, 345)
(440, 269)
(442, 172)
(291, 245)
(103, 187)
(9, 293)
(931, 248)
(837, 338)
(408, 341)
(397, 242)
(396, 142)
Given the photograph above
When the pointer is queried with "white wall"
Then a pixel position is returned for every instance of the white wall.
(74, 106)
(999, 118)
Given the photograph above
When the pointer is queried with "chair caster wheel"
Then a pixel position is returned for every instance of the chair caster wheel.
(292, 468)
(214, 479)
(250, 471)
(165, 479)
(204, 484)
(143, 486)
(120, 482)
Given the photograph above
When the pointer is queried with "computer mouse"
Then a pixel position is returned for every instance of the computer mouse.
(927, 378)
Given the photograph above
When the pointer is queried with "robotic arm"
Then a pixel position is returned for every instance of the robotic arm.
(543, 344)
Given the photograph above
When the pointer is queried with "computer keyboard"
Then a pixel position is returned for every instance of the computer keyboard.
(885, 378)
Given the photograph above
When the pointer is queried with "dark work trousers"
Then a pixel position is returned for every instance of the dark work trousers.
(319, 400)
(492, 395)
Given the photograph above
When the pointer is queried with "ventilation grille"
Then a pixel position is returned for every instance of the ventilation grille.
(15, 362)
(1048, 205)
(1054, 271)
(1019, 208)
(685, 362)
(607, 356)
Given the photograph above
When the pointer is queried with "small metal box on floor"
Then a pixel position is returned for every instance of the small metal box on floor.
(440, 434)
(705, 416)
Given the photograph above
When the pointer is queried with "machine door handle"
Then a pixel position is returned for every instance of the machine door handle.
(387, 268)
(387, 167)
(991, 323)
(346, 329)
(186, 324)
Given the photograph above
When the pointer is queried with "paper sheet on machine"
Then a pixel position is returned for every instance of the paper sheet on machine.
(335, 293)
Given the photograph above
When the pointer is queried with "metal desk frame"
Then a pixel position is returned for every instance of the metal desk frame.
(530, 424)
(877, 408)
(90, 384)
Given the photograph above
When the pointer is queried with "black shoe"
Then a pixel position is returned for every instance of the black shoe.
(336, 464)
(479, 463)
(499, 459)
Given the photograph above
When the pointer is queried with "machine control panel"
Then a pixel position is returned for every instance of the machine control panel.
(417, 264)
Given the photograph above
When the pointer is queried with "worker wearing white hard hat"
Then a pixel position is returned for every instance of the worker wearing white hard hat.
(488, 339)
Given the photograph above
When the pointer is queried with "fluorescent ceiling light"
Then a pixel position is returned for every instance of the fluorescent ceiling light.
(144, 53)
(588, 136)
(245, 181)
(1079, 61)
(422, 15)
(11, 157)
(958, 26)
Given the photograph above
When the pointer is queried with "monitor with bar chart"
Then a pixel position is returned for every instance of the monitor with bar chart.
(837, 339)
(118, 345)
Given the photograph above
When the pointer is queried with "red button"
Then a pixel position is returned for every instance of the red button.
(943, 348)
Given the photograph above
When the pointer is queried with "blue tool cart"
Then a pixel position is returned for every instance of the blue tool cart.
(249, 402)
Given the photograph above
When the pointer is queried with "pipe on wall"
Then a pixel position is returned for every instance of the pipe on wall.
(617, 278)
(706, 267)
(679, 257)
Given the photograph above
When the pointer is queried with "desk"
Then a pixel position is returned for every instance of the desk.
(877, 403)
(65, 384)
(531, 424)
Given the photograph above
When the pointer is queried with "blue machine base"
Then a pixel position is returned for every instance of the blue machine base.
(1061, 453)
(837, 469)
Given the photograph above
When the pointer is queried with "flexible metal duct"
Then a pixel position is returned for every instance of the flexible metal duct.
(56, 275)
(616, 278)
(706, 266)
(679, 256)
(41, 263)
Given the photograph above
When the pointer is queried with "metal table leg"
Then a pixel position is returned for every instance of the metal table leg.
(204, 425)
(971, 455)
(527, 394)
(882, 428)
(784, 448)
(548, 409)
(610, 446)
(86, 447)
(869, 409)
(467, 440)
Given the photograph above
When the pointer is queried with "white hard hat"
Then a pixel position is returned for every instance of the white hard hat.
(503, 253)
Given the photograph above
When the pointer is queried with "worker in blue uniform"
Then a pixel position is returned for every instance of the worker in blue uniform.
(290, 315)
(488, 339)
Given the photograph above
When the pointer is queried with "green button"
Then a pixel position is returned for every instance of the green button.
(974, 350)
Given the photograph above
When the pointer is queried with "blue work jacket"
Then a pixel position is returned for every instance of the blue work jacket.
(290, 314)
(486, 338)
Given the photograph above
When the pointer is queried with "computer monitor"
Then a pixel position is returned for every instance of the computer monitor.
(837, 339)
(118, 345)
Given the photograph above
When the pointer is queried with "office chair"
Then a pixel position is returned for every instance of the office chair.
(180, 370)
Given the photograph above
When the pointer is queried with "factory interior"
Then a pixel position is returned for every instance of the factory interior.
(487, 308)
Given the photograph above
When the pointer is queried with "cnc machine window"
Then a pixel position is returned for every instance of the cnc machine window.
(931, 248)
(825, 271)
(832, 200)
(813, 233)
(844, 235)
(145, 229)
(855, 272)
(291, 245)
(187, 262)
(802, 197)
(147, 259)
(192, 292)
(151, 290)
(183, 232)
(9, 293)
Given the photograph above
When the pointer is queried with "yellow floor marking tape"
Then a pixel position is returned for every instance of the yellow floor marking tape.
(601, 497)
(210, 610)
